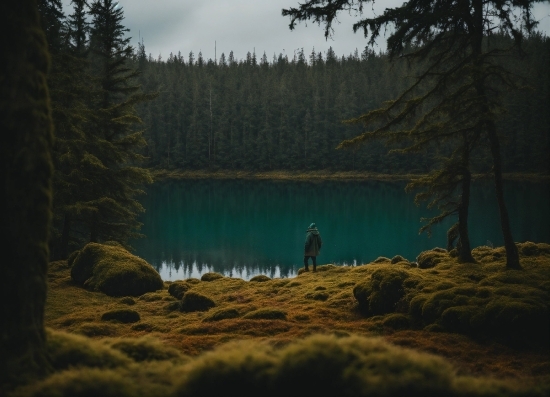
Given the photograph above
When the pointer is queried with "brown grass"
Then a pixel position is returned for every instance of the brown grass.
(282, 311)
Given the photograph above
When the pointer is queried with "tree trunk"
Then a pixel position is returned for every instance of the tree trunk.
(464, 250)
(25, 172)
(512, 255)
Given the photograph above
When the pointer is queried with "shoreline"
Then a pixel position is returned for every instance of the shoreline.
(323, 175)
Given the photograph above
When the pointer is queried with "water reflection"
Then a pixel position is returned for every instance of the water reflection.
(245, 228)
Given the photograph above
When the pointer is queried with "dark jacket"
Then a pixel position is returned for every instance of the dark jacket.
(313, 242)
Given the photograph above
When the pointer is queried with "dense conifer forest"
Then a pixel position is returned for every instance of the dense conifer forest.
(286, 114)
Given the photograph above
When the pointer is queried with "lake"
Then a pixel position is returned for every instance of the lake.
(242, 228)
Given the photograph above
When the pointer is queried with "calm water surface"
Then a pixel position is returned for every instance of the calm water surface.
(244, 228)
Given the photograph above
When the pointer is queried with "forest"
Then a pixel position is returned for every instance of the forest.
(286, 114)
(86, 118)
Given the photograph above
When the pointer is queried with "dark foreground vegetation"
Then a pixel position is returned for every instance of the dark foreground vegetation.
(387, 328)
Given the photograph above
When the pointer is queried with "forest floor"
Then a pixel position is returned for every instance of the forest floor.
(283, 311)
(320, 175)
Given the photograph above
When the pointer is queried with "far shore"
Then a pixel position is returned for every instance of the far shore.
(163, 174)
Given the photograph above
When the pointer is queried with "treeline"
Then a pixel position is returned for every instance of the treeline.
(286, 114)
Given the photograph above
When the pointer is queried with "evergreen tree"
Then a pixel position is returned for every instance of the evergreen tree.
(450, 97)
(112, 209)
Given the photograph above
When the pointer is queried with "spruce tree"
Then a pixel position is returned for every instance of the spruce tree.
(117, 179)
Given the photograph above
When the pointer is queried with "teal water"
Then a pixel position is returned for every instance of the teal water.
(244, 228)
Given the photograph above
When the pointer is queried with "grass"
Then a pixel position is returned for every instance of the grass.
(472, 329)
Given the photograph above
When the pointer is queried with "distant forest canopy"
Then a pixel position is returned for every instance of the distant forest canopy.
(281, 114)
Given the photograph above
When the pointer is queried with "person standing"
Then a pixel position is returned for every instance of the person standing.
(312, 247)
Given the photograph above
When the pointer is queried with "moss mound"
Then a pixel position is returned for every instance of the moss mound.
(222, 314)
(70, 350)
(122, 316)
(397, 259)
(380, 294)
(195, 302)
(145, 349)
(114, 271)
(127, 301)
(265, 314)
(431, 258)
(211, 276)
(324, 365)
(178, 288)
(260, 278)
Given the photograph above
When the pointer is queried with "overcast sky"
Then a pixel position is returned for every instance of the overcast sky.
(243, 25)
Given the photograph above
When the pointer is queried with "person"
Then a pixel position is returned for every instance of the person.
(312, 247)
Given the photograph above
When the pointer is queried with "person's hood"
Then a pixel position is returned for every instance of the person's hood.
(313, 231)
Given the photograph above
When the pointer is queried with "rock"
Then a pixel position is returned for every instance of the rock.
(114, 271)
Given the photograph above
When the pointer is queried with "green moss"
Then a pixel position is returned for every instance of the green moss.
(178, 288)
(211, 276)
(193, 302)
(429, 259)
(145, 349)
(114, 271)
(69, 350)
(397, 321)
(72, 257)
(127, 301)
(260, 278)
(380, 294)
(96, 329)
(151, 297)
(318, 295)
(265, 314)
(121, 316)
(398, 259)
(84, 383)
(222, 314)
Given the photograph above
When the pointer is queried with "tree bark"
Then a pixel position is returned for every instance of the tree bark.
(464, 251)
(25, 173)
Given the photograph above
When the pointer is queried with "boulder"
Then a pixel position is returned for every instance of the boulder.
(114, 271)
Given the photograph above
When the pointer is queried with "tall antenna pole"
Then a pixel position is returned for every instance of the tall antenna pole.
(215, 55)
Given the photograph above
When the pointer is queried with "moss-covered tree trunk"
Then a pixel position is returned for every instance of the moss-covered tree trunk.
(25, 172)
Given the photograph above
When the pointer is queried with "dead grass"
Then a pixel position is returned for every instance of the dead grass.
(323, 303)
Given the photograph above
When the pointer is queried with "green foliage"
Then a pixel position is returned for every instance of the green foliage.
(114, 271)
(380, 294)
(211, 276)
(222, 314)
(178, 288)
(121, 316)
(260, 278)
(266, 314)
(195, 302)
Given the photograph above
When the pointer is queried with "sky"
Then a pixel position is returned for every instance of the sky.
(241, 26)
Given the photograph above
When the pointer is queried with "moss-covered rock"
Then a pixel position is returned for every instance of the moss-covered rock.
(222, 314)
(382, 259)
(382, 291)
(398, 259)
(431, 258)
(266, 314)
(195, 302)
(260, 278)
(178, 288)
(211, 276)
(145, 349)
(127, 300)
(121, 316)
(114, 271)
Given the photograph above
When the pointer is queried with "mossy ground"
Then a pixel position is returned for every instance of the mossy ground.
(291, 310)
